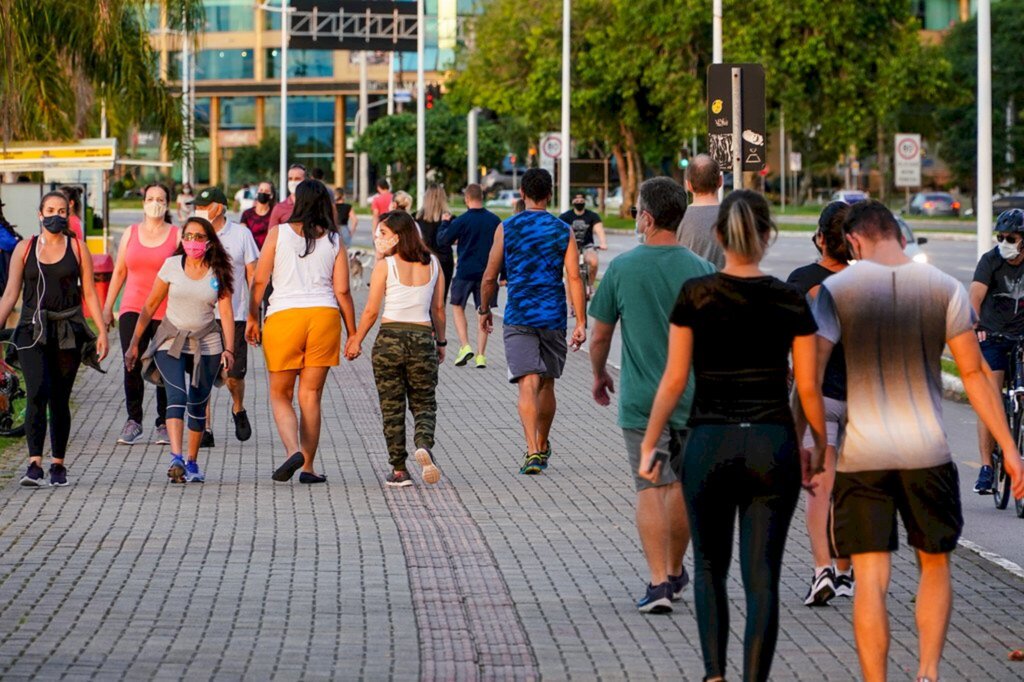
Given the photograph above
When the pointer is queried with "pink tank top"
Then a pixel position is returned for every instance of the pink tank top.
(143, 262)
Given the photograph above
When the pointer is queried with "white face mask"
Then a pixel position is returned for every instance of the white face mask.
(202, 213)
(1009, 251)
(292, 185)
(155, 209)
(641, 236)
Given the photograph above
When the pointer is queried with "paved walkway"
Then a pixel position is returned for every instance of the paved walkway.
(489, 575)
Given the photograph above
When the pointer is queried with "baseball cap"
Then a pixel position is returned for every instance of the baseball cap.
(211, 195)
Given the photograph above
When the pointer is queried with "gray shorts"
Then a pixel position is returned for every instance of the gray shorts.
(634, 439)
(529, 350)
(835, 424)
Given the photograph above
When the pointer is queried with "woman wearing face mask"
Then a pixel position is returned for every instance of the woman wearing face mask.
(828, 580)
(51, 272)
(410, 344)
(282, 211)
(302, 334)
(184, 201)
(257, 218)
(74, 195)
(742, 455)
(144, 248)
(194, 281)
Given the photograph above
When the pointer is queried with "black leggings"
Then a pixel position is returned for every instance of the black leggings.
(134, 386)
(753, 469)
(49, 377)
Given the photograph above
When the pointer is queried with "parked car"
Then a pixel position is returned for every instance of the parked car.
(613, 202)
(850, 196)
(504, 176)
(1006, 202)
(506, 198)
(934, 203)
(914, 244)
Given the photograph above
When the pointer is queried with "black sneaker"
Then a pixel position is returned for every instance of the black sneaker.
(398, 479)
(243, 429)
(658, 599)
(986, 481)
(207, 441)
(679, 583)
(822, 589)
(58, 475)
(34, 477)
(844, 584)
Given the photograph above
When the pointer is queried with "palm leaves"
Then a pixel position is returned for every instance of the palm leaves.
(59, 59)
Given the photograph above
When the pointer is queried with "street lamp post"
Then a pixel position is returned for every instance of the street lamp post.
(421, 110)
(563, 172)
(983, 204)
(285, 11)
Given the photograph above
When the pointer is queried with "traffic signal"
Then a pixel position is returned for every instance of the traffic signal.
(433, 93)
(684, 158)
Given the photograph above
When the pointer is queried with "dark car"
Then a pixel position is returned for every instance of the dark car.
(934, 203)
(1005, 203)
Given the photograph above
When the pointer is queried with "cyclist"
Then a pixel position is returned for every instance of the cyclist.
(997, 293)
(585, 224)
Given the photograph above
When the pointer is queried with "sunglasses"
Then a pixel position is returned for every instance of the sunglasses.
(632, 212)
(194, 237)
(1009, 239)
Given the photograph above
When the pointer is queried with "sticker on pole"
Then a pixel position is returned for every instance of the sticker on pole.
(907, 160)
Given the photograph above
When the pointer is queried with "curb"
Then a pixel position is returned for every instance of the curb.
(953, 388)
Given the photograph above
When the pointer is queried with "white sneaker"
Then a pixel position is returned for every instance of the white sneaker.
(823, 589)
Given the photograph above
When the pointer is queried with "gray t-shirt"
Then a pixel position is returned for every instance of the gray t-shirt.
(238, 241)
(697, 233)
(190, 303)
(894, 322)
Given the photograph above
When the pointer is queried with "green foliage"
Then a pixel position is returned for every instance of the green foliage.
(392, 140)
(60, 59)
(259, 162)
(958, 121)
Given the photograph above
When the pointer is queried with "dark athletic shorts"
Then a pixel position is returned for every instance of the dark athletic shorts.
(461, 290)
(529, 350)
(865, 503)
(241, 359)
(997, 353)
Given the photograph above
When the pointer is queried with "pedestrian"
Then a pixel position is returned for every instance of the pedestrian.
(519, 206)
(302, 334)
(996, 294)
(585, 225)
(188, 350)
(473, 231)
(9, 239)
(894, 318)
(282, 211)
(696, 231)
(828, 580)
(741, 454)
(52, 274)
(429, 220)
(401, 201)
(535, 248)
(240, 246)
(347, 219)
(380, 204)
(257, 218)
(143, 250)
(184, 202)
(410, 344)
(74, 195)
(245, 197)
(317, 173)
(640, 289)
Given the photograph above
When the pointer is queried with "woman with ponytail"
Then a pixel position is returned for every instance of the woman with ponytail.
(735, 330)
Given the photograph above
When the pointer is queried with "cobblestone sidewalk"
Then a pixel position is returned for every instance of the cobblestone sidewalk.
(488, 575)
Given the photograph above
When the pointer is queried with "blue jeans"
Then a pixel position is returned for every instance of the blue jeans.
(182, 397)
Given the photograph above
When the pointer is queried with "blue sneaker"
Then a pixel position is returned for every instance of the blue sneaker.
(545, 455)
(986, 481)
(176, 472)
(532, 465)
(58, 475)
(34, 477)
(192, 472)
(679, 583)
(658, 599)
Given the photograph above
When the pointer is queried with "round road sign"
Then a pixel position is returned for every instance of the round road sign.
(551, 147)
(908, 148)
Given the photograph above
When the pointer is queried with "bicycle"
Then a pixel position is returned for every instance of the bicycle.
(12, 390)
(1013, 404)
(588, 288)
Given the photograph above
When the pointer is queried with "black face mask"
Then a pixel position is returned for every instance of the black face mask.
(263, 197)
(55, 224)
(579, 206)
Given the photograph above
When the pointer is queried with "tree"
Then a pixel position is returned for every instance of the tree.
(59, 60)
(958, 120)
(392, 140)
(259, 162)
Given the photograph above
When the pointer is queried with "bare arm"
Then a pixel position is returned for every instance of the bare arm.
(227, 327)
(579, 304)
(437, 315)
(92, 299)
(156, 296)
(14, 280)
(264, 268)
(808, 387)
(378, 285)
(977, 293)
(489, 284)
(602, 239)
(342, 293)
(118, 278)
(824, 354)
(600, 346)
(673, 383)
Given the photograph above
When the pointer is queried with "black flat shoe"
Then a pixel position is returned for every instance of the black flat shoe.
(306, 477)
(288, 469)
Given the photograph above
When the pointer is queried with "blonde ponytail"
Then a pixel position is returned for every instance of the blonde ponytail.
(744, 224)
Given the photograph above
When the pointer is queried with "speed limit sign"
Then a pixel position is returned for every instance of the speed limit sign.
(551, 146)
(908, 160)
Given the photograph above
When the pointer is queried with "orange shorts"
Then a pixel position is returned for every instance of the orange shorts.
(302, 337)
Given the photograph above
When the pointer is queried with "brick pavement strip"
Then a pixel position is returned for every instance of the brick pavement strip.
(488, 575)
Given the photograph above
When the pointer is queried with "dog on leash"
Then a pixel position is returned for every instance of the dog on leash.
(357, 262)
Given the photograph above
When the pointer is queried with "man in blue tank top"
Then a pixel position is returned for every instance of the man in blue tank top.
(535, 248)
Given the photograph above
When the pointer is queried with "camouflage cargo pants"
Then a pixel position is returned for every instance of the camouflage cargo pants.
(405, 368)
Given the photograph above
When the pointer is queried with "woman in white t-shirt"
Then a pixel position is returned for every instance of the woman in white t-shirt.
(410, 344)
(302, 333)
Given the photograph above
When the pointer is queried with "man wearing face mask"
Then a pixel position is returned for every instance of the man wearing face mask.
(640, 288)
(283, 210)
(997, 296)
(585, 225)
(240, 246)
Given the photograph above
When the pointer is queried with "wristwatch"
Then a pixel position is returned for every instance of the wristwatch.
(483, 310)
(441, 344)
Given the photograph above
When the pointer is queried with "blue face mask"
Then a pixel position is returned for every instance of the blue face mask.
(641, 236)
(55, 224)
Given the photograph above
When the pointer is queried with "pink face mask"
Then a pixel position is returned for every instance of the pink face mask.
(194, 249)
(385, 244)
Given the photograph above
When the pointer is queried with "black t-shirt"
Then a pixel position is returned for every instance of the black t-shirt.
(429, 230)
(743, 330)
(1002, 311)
(805, 279)
(582, 225)
(344, 211)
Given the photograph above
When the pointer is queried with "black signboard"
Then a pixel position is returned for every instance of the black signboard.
(720, 113)
(372, 25)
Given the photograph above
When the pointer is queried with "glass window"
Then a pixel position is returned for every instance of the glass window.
(272, 20)
(237, 113)
(310, 129)
(229, 15)
(301, 63)
(153, 17)
(202, 117)
(223, 65)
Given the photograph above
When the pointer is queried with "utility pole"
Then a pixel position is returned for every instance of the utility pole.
(472, 158)
(285, 12)
(983, 202)
(364, 160)
(782, 157)
(186, 109)
(563, 172)
(716, 52)
(421, 110)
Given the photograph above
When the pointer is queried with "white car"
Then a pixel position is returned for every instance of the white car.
(506, 199)
(850, 196)
(613, 202)
(913, 248)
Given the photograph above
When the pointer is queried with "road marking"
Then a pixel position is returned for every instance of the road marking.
(993, 557)
(970, 463)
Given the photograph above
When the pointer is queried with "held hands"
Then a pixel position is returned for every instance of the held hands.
(603, 385)
(252, 331)
(353, 348)
(108, 318)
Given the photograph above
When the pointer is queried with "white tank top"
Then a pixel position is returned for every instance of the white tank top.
(405, 303)
(302, 282)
